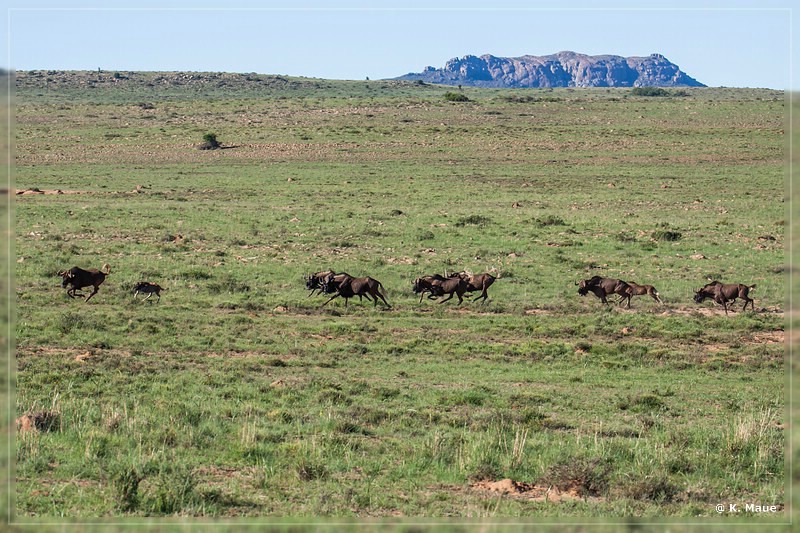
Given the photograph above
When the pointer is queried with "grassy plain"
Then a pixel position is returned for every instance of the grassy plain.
(238, 396)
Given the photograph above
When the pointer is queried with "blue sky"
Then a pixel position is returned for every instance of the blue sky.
(733, 43)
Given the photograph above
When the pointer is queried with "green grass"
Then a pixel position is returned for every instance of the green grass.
(239, 396)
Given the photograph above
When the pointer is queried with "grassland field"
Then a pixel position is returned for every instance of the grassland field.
(239, 396)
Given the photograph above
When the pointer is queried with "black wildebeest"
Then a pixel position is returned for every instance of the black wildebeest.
(722, 293)
(77, 278)
(479, 282)
(450, 286)
(433, 286)
(145, 287)
(424, 284)
(641, 290)
(347, 286)
(314, 281)
(603, 287)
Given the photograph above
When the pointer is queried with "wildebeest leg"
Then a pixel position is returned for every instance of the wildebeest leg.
(748, 301)
(483, 295)
(449, 297)
(331, 298)
(382, 298)
(90, 296)
(656, 298)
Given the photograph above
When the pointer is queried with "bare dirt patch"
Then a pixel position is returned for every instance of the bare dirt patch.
(528, 491)
(716, 311)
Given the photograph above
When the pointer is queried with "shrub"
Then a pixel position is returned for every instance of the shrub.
(587, 477)
(549, 220)
(473, 220)
(455, 97)
(649, 91)
(210, 142)
(667, 235)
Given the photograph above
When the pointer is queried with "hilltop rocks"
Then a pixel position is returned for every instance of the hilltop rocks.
(564, 69)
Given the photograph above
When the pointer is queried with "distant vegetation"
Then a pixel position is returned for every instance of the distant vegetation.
(657, 91)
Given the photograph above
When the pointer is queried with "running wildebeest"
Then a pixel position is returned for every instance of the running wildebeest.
(722, 293)
(145, 287)
(436, 285)
(314, 281)
(347, 286)
(479, 282)
(78, 278)
(603, 287)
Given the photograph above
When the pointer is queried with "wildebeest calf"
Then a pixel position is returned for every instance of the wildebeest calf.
(722, 293)
(641, 290)
(145, 287)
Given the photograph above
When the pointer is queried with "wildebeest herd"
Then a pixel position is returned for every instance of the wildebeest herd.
(436, 286)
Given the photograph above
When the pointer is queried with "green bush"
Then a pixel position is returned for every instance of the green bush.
(210, 142)
(455, 97)
(649, 91)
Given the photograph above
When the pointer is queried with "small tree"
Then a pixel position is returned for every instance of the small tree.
(210, 142)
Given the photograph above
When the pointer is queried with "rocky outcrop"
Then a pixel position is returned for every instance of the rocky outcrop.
(564, 69)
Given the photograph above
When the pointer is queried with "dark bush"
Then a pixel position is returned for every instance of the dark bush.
(649, 91)
(455, 97)
(210, 142)
(473, 220)
(667, 235)
(549, 220)
(588, 477)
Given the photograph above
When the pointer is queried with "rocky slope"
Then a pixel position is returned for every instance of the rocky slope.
(564, 69)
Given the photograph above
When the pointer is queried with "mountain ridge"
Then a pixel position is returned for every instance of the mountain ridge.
(563, 69)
